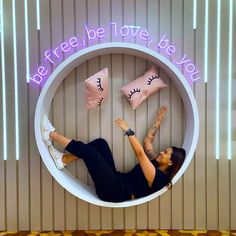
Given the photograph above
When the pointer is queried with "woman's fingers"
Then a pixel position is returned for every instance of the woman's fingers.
(121, 123)
(163, 109)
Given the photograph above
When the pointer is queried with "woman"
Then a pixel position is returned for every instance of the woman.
(151, 174)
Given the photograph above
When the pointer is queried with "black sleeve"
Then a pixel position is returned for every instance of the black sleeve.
(159, 181)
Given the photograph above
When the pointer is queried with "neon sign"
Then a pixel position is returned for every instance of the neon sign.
(55, 55)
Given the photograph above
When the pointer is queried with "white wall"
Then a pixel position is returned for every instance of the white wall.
(205, 196)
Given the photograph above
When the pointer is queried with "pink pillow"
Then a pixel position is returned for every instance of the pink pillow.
(141, 88)
(96, 89)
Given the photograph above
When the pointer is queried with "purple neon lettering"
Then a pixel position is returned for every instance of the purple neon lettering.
(194, 79)
(182, 60)
(42, 70)
(47, 57)
(134, 30)
(34, 78)
(144, 35)
(89, 32)
(114, 23)
(170, 50)
(127, 31)
(73, 42)
(55, 52)
(101, 32)
(163, 40)
(124, 32)
(193, 68)
(65, 47)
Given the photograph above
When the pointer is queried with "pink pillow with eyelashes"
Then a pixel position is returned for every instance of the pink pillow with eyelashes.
(96, 87)
(141, 88)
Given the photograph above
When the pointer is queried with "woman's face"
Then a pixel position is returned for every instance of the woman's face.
(164, 157)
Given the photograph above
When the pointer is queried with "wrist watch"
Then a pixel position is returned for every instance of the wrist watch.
(129, 132)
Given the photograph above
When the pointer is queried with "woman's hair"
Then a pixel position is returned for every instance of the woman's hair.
(177, 158)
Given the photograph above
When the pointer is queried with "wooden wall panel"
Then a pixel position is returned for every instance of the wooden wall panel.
(165, 98)
(11, 164)
(224, 188)
(233, 130)
(33, 93)
(188, 48)
(117, 8)
(129, 113)
(94, 115)
(141, 111)
(58, 112)
(153, 104)
(176, 109)
(200, 161)
(212, 163)
(70, 112)
(82, 115)
(46, 178)
(23, 163)
(2, 162)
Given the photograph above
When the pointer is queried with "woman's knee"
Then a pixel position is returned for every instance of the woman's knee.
(99, 142)
(102, 141)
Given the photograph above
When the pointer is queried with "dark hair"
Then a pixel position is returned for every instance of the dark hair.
(177, 158)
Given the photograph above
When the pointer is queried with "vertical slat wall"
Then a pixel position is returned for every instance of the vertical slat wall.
(204, 198)
(35, 190)
(177, 107)
(165, 99)
(212, 174)
(81, 17)
(188, 48)
(129, 114)
(58, 111)
(233, 161)
(46, 178)
(200, 158)
(153, 102)
(11, 168)
(23, 163)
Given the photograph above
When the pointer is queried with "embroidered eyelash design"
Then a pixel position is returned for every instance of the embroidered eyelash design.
(100, 101)
(99, 85)
(132, 92)
(151, 79)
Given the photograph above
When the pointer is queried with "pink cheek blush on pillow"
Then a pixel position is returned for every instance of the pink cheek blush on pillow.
(141, 88)
(96, 89)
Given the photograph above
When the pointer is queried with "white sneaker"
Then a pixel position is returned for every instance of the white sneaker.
(57, 157)
(46, 128)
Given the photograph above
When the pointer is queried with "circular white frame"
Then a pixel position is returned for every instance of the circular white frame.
(64, 178)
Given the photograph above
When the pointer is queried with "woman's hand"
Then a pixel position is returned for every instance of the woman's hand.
(122, 124)
(160, 115)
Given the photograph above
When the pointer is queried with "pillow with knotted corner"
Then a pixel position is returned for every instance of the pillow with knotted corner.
(141, 88)
(96, 89)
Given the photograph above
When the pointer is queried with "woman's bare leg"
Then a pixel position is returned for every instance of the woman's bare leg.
(67, 158)
(63, 141)
(60, 139)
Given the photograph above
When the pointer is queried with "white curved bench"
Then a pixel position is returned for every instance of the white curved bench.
(64, 178)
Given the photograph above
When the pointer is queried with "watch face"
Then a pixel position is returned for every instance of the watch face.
(130, 132)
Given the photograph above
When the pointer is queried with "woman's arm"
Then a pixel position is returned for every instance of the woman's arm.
(148, 140)
(146, 165)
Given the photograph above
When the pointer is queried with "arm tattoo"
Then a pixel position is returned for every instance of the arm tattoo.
(153, 129)
(151, 154)
(148, 148)
(152, 132)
